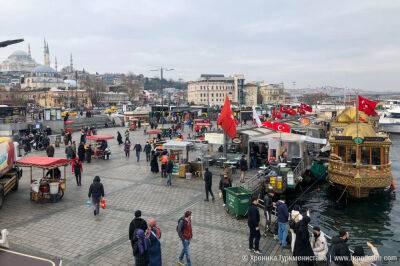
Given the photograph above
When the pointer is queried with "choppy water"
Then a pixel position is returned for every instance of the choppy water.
(377, 221)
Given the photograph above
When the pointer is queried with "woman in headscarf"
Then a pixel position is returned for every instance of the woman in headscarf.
(154, 163)
(141, 249)
(119, 138)
(153, 234)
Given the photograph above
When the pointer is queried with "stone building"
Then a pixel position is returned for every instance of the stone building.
(251, 94)
(272, 93)
(18, 61)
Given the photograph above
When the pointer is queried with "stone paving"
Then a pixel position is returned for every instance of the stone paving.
(69, 231)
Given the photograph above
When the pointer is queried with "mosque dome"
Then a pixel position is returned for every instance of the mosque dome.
(43, 69)
(19, 54)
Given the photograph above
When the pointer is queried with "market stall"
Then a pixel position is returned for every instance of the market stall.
(51, 186)
(179, 152)
(99, 145)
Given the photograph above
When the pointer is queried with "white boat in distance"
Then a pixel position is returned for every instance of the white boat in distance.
(389, 120)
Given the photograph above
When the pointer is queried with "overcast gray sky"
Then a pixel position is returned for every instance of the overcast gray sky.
(352, 43)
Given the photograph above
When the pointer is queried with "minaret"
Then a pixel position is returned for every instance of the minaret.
(29, 50)
(46, 54)
(71, 63)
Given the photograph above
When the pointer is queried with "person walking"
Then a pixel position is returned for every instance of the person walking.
(208, 184)
(147, 150)
(268, 205)
(73, 146)
(164, 162)
(137, 223)
(154, 163)
(138, 149)
(69, 151)
(77, 170)
(127, 134)
(50, 151)
(253, 221)
(96, 192)
(283, 216)
(302, 247)
(141, 249)
(127, 148)
(170, 169)
(185, 233)
(89, 153)
(83, 136)
(153, 234)
(339, 251)
(224, 183)
(81, 152)
(119, 138)
(319, 245)
(294, 218)
(243, 168)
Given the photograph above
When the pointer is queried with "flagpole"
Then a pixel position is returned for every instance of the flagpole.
(225, 145)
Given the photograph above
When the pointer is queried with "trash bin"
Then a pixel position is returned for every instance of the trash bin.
(237, 200)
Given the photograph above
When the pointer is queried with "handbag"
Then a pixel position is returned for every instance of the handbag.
(103, 203)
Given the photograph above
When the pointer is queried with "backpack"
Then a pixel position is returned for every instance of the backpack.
(177, 227)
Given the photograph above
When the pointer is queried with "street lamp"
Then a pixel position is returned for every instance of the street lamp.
(161, 69)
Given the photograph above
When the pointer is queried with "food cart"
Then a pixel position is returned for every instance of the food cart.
(177, 149)
(100, 146)
(51, 186)
(153, 135)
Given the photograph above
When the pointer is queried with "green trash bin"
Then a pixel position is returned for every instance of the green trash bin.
(237, 200)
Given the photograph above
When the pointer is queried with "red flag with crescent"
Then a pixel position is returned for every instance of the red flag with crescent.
(287, 110)
(367, 106)
(306, 107)
(278, 126)
(276, 114)
(226, 119)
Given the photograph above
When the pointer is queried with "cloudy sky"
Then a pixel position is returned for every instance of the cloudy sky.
(353, 43)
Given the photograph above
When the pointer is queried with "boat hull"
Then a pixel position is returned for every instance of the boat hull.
(391, 128)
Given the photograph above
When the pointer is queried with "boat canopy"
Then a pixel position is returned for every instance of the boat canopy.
(43, 162)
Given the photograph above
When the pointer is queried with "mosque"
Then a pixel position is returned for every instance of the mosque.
(19, 61)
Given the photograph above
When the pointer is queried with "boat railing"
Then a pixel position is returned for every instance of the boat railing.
(366, 171)
(299, 169)
(253, 183)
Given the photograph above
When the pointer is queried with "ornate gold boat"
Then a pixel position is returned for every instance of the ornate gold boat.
(359, 162)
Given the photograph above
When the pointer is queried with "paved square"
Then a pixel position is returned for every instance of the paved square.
(68, 229)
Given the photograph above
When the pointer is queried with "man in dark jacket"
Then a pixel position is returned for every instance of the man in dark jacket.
(253, 221)
(208, 184)
(170, 169)
(138, 149)
(339, 248)
(137, 223)
(147, 150)
(283, 216)
(268, 204)
(96, 192)
(243, 168)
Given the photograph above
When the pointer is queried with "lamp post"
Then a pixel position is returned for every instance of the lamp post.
(162, 69)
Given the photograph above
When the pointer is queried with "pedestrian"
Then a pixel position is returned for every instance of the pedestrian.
(339, 251)
(164, 162)
(360, 259)
(139, 124)
(137, 223)
(253, 221)
(154, 163)
(83, 136)
(127, 148)
(69, 152)
(141, 249)
(89, 153)
(243, 168)
(302, 251)
(147, 150)
(170, 169)
(319, 245)
(138, 149)
(81, 152)
(208, 184)
(73, 146)
(153, 234)
(119, 138)
(268, 205)
(96, 192)
(127, 134)
(294, 218)
(224, 183)
(50, 151)
(77, 170)
(185, 233)
(283, 216)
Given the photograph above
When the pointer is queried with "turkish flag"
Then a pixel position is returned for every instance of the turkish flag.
(276, 114)
(226, 120)
(287, 110)
(278, 126)
(306, 107)
(301, 110)
(283, 127)
(367, 106)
